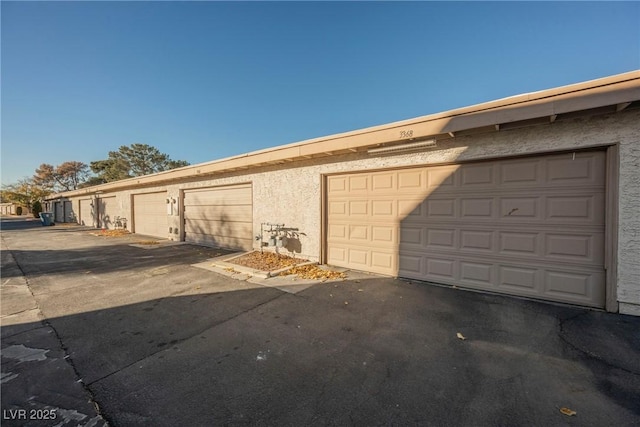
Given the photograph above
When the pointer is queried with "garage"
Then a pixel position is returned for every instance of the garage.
(219, 216)
(86, 212)
(63, 211)
(150, 214)
(529, 226)
(58, 212)
(69, 215)
(107, 212)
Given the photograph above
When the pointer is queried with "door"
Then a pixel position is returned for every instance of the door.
(69, 215)
(87, 216)
(107, 212)
(150, 214)
(58, 215)
(219, 216)
(530, 226)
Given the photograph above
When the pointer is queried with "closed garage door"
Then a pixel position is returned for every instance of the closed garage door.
(220, 216)
(107, 212)
(532, 226)
(58, 212)
(69, 215)
(150, 214)
(86, 213)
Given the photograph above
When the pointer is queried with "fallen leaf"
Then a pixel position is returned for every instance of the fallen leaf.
(359, 290)
(460, 336)
(313, 272)
(266, 261)
(148, 242)
(114, 233)
(568, 411)
(346, 303)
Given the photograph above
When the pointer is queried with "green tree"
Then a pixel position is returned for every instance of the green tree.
(36, 208)
(94, 180)
(134, 160)
(111, 169)
(66, 176)
(24, 192)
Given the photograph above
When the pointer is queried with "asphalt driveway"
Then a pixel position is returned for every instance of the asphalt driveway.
(97, 332)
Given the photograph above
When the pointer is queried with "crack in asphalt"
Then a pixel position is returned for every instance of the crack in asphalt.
(215, 325)
(588, 354)
(63, 347)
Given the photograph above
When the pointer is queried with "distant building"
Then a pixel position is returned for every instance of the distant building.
(11, 209)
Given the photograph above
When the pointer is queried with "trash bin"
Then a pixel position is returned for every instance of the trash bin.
(46, 218)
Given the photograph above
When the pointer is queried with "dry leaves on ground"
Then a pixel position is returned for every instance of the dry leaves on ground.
(568, 412)
(112, 233)
(266, 261)
(314, 272)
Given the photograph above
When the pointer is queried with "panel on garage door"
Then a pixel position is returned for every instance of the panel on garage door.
(150, 214)
(220, 216)
(107, 212)
(86, 213)
(532, 226)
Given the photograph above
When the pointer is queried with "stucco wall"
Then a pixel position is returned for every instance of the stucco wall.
(290, 193)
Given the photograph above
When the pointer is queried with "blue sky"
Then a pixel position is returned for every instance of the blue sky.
(207, 80)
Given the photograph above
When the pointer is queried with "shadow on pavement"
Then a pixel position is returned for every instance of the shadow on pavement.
(376, 351)
(19, 223)
(154, 341)
(113, 257)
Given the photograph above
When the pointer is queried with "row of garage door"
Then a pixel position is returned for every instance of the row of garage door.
(219, 216)
(62, 211)
(530, 226)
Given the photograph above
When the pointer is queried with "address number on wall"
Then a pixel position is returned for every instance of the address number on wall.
(406, 133)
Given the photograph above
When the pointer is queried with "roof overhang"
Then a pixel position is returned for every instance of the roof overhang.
(609, 94)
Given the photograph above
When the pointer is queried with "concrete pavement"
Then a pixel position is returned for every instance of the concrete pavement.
(141, 337)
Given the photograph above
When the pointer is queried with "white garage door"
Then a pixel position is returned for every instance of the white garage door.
(86, 213)
(150, 214)
(531, 226)
(107, 212)
(220, 216)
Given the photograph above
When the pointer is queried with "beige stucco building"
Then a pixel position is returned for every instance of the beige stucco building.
(535, 195)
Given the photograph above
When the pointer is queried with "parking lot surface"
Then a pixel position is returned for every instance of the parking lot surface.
(98, 332)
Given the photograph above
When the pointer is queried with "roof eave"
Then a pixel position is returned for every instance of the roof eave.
(618, 91)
